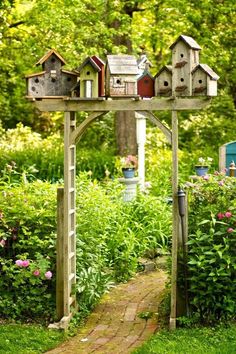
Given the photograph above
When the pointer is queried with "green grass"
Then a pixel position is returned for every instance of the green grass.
(27, 339)
(204, 340)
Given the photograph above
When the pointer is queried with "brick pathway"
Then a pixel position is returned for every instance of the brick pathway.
(115, 326)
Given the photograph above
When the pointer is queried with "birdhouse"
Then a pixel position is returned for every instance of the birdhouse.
(53, 80)
(204, 81)
(163, 81)
(144, 64)
(185, 56)
(145, 84)
(101, 75)
(75, 91)
(121, 75)
(91, 77)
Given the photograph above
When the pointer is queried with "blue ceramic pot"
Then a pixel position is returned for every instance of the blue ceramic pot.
(128, 172)
(201, 170)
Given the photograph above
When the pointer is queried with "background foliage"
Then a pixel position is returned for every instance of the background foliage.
(81, 28)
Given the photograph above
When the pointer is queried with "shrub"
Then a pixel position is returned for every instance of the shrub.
(24, 151)
(27, 252)
(212, 247)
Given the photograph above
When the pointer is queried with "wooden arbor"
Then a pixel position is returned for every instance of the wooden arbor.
(66, 257)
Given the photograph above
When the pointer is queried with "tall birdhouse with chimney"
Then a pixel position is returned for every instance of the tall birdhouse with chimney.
(185, 57)
(53, 80)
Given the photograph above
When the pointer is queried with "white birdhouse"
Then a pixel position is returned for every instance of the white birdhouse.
(163, 81)
(204, 81)
(185, 56)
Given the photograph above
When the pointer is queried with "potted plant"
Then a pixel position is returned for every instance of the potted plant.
(129, 165)
(203, 165)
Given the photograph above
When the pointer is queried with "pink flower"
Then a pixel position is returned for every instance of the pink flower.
(25, 263)
(1, 214)
(230, 229)
(228, 214)
(221, 183)
(220, 216)
(2, 243)
(48, 275)
(206, 177)
(19, 262)
(36, 272)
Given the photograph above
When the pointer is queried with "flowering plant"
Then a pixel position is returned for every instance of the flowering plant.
(204, 161)
(129, 161)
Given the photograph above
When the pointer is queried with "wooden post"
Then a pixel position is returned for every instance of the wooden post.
(141, 139)
(69, 215)
(175, 223)
(60, 258)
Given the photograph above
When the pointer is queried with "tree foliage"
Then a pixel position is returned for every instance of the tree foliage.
(79, 28)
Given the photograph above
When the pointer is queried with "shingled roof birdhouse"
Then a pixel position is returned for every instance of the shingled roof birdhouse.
(204, 81)
(163, 81)
(121, 75)
(53, 80)
(185, 56)
(91, 77)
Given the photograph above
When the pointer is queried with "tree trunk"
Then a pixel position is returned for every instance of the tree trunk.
(125, 122)
(125, 126)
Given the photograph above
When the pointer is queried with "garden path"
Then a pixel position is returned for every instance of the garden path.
(116, 326)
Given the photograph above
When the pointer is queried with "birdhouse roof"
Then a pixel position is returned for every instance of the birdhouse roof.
(90, 61)
(48, 54)
(35, 74)
(189, 41)
(122, 64)
(207, 70)
(98, 61)
(145, 73)
(143, 60)
(167, 68)
(69, 72)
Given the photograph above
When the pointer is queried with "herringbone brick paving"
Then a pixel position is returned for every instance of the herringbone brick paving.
(114, 327)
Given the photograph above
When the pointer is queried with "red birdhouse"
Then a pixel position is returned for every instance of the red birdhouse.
(146, 85)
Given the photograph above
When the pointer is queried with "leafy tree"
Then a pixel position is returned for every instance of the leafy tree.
(80, 28)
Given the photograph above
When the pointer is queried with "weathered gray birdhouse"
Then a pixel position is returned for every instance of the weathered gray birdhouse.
(53, 80)
(121, 75)
(204, 81)
(163, 81)
(185, 56)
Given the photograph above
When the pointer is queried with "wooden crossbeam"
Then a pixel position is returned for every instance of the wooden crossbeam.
(154, 104)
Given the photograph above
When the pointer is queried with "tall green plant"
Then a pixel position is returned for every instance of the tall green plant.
(212, 247)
